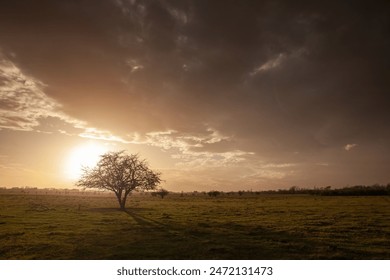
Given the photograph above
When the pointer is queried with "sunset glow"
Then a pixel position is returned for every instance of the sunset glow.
(224, 95)
(86, 155)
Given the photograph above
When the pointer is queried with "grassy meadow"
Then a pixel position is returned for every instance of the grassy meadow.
(81, 226)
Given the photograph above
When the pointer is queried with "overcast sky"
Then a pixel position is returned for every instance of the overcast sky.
(222, 95)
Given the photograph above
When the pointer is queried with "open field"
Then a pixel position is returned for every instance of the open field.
(39, 226)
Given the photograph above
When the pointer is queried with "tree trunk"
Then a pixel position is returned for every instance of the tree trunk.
(122, 199)
(122, 203)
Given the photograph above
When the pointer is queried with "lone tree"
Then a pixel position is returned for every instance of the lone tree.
(121, 174)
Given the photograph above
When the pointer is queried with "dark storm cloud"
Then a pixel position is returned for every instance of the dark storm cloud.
(288, 81)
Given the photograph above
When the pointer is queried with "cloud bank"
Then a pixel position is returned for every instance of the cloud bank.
(277, 91)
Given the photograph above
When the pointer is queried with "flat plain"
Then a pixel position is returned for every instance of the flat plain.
(90, 226)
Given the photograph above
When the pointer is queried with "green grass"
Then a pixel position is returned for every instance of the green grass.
(194, 227)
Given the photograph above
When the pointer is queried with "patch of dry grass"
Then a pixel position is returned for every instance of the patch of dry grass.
(194, 227)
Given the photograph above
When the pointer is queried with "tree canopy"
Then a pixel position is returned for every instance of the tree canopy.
(120, 173)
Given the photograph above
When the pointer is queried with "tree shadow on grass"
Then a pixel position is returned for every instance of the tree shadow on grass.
(170, 240)
(165, 237)
(143, 221)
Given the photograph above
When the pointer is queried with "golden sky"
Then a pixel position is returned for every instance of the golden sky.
(224, 95)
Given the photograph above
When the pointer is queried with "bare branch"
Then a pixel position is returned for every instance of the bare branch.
(121, 174)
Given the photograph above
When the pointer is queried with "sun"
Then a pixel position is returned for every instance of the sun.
(85, 155)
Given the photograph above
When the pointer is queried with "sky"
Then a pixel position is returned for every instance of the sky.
(226, 95)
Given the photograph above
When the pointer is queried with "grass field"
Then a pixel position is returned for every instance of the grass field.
(37, 226)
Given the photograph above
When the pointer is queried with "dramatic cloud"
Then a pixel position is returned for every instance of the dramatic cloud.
(275, 62)
(194, 151)
(272, 93)
(24, 105)
(22, 100)
(349, 147)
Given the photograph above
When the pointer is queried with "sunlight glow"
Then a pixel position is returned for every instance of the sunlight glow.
(86, 155)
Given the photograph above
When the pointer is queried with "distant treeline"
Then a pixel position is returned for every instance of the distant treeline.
(359, 190)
